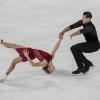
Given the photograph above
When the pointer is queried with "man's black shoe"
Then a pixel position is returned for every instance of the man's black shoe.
(79, 70)
(91, 65)
(87, 67)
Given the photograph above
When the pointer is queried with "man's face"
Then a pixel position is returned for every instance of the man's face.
(85, 19)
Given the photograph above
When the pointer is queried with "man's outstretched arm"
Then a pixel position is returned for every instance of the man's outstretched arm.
(75, 25)
(64, 31)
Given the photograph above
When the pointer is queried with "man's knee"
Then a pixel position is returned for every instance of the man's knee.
(73, 48)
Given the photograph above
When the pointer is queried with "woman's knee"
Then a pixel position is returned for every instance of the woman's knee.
(16, 61)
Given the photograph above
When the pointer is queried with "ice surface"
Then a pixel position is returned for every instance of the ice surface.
(36, 24)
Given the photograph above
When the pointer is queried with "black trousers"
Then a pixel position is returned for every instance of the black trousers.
(85, 47)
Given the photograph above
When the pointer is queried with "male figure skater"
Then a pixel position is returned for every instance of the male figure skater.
(29, 54)
(91, 45)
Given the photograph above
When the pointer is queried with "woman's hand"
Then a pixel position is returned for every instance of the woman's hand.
(26, 52)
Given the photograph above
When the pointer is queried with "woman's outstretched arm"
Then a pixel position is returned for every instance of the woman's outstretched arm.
(56, 47)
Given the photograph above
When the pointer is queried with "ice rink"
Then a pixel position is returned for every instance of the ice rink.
(37, 24)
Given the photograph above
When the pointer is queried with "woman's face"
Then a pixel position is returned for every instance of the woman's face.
(51, 67)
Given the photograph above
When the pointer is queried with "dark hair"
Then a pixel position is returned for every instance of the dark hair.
(87, 14)
(46, 70)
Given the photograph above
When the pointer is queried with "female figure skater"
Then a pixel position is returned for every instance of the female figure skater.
(29, 54)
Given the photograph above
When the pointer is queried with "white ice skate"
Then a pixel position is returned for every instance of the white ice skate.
(3, 77)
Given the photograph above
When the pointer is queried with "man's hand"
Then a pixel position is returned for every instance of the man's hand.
(61, 34)
(75, 34)
(43, 63)
(26, 52)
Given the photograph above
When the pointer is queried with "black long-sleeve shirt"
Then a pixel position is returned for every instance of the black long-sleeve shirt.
(89, 31)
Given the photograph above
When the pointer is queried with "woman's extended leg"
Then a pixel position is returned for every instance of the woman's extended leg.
(13, 64)
(11, 45)
(11, 68)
